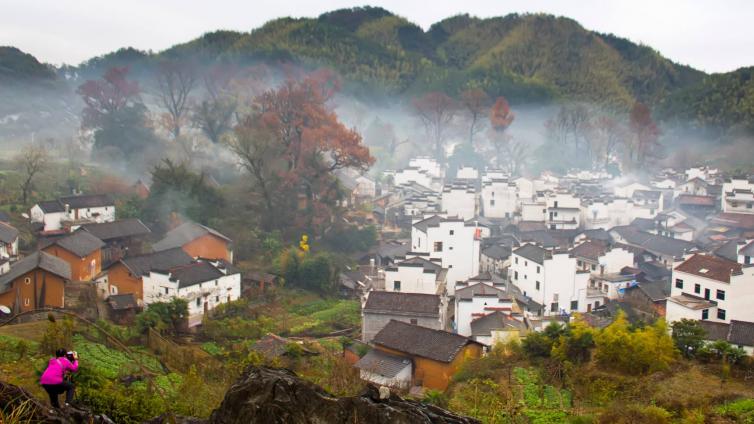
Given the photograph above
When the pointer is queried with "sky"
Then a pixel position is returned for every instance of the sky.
(714, 36)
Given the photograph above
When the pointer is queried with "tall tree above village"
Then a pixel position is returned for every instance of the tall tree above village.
(501, 117)
(608, 135)
(213, 115)
(32, 161)
(297, 124)
(475, 101)
(645, 132)
(436, 111)
(175, 82)
(106, 96)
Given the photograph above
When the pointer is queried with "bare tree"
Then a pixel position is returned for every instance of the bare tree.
(476, 102)
(32, 161)
(175, 81)
(435, 111)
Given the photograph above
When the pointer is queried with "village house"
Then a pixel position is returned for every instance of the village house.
(433, 356)
(122, 308)
(126, 275)
(499, 198)
(695, 186)
(563, 212)
(476, 301)
(81, 250)
(459, 199)
(738, 333)
(426, 310)
(198, 241)
(665, 250)
(467, 173)
(122, 238)
(69, 212)
(494, 259)
(737, 196)
(416, 274)
(454, 242)
(202, 283)
(36, 281)
(550, 279)
(8, 242)
(707, 287)
(498, 327)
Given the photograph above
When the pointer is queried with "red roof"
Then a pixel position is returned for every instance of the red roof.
(736, 220)
(689, 199)
(711, 267)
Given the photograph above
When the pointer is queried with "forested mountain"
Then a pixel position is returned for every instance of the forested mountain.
(529, 58)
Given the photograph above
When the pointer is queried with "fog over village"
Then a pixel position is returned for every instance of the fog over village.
(351, 218)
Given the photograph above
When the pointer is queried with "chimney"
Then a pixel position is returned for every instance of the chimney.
(67, 208)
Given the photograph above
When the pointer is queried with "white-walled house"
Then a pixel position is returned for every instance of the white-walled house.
(72, 211)
(428, 164)
(499, 198)
(550, 279)
(737, 196)
(706, 287)
(563, 212)
(454, 242)
(416, 275)
(467, 173)
(203, 284)
(627, 190)
(8, 241)
(459, 199)
(427, 310)
(413, 175)
(476, 301)
(598, 258)
(525, 188)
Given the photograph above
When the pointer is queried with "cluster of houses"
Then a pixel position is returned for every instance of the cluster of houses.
(79, 242)
(491, 258)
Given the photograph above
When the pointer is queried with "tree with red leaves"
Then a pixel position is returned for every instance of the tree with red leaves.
(475, 101)
(501, 117)
(436, 111)
(646, 133)
(106, 96)
(294, 143)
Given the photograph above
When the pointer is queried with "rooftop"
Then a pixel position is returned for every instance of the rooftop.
(117, 229)
(38, 259)
(80, 243)
(404, 303)
(384, 364)
(708, 266)
(157, 261)
(185, 233)
(533, 253)
(436, 345)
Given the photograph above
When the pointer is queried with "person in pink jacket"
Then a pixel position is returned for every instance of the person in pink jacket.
(53, 378)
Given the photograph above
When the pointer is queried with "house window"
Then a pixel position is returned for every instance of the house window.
(516, 260)
(526, 263)
(537, 269)
(396, 285)
(450, 247)
(536, 285)
(555, 204)
(574, 305)
(113, 290)
(747, 260)
(414, 321)
(216, 283)
(579, 263)
(492, 202)
(166, 290)
(452, 232)
(198, 302)
(748, 206)
(697, 288)
(721, 314)
(554, 307)
(594, 267)
(720, 295)
(705, 314)
(217, 299)
(438, 246)
(26, 301)
(27, 280)
(515, 275)
(678, 283)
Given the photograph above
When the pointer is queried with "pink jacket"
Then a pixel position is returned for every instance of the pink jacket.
(56, 370)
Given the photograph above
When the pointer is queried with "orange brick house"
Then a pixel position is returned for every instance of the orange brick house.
(125, 276)
(82, 251)
(36, 281)
(197, 241)
(434, 356)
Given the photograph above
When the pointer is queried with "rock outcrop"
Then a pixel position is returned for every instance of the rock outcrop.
(29, 409)
(268, 395)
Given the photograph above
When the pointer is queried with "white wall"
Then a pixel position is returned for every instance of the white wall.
(499, 199)
(402, 380)
(471, 309)
(558, 282)
(459, 202)
(412, 279)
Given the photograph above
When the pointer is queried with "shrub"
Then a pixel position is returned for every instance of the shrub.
(640, 351)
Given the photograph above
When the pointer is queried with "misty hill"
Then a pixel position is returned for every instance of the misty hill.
(17, 66)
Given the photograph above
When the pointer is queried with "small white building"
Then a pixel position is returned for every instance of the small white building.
(384, 369)
(550, 279)
(203, 284)
(416, 275)
(467, 173)
(73, 211)
(476, 301)
(459, 199)
(737, 196)
(563, 212)
(455, 242)
(499, 198)
(8, 242)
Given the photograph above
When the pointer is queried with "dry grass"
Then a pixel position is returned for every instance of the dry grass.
(32, 331)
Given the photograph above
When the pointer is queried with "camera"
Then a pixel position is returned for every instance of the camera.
(71, 355)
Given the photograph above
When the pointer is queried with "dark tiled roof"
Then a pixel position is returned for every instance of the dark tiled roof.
(654, 290)
(406, 303)
(480, 289)
(590, 250)
(117, 229)
(747, 250)
(728, 250)
(741, 333)
(414, 340)
(80, 243)
(643, 224)
(87, 201)
(597, 234)
(37, 259)
(384, 364)
(715, 330)
(711, 267)
(428, 265)
(195, 273)
(119, 302)
(483, 326)
(183, 234)
(533, 253)
(737, 220)
(51, 206)
(8, 233)
(432, 221)
(497, 252)
(4, 217)
(157, 261)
